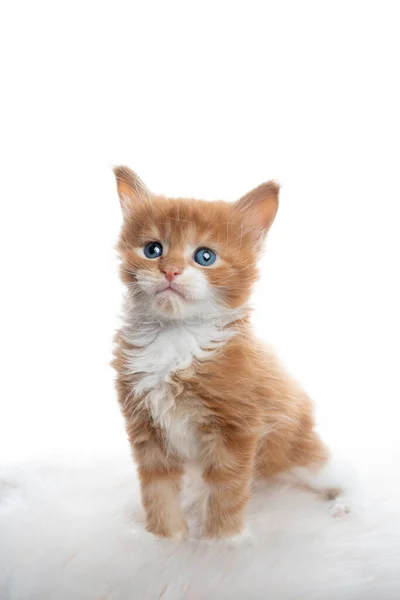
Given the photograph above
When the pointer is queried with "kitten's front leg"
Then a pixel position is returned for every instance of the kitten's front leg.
(228, 474)
(160, 480)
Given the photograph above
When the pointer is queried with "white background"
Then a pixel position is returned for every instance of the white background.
(206, 99)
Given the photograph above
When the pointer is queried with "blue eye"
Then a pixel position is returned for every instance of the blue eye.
(205, 257)
(153, 250)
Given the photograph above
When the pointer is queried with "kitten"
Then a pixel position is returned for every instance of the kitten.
(194, 384)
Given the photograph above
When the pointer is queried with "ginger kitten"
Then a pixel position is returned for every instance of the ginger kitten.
(193, 381)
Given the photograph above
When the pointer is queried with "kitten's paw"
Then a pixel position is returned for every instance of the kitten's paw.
(231, 539)
(180, 534)
(177, 532)
(244, 537)
(339, 507)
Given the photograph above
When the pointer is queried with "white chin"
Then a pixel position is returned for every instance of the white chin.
(170, 304)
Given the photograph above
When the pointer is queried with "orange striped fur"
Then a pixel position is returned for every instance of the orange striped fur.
(193, 382)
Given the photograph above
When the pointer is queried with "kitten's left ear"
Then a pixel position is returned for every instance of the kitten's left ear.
(259, 207)
(131, 189)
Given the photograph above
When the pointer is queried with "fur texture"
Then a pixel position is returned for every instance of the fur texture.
(76, 532)
(193, 382)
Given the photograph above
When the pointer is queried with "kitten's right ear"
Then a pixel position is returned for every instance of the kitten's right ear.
(131, 189)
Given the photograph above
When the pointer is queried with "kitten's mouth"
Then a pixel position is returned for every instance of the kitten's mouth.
(171, 290)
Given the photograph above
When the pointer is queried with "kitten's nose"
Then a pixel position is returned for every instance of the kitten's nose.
(171, 272)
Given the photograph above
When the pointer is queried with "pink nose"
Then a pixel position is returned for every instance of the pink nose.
(171, 272)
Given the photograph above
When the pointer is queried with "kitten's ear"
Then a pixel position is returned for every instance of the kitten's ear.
(131, 189)
(259, 207)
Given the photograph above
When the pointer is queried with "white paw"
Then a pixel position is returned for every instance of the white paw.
(232, 541)
(180, 534)
(339, 507)
(239, 539)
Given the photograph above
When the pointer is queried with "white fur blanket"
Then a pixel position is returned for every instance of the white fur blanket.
(70, 532)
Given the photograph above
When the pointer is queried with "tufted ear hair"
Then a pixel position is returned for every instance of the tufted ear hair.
(131, 189)
(258, 208)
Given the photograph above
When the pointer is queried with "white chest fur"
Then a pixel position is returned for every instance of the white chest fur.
(159, 350)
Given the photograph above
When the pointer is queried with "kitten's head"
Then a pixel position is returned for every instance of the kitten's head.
(183, 257)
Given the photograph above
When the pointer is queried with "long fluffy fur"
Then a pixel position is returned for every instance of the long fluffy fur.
(193, 382)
